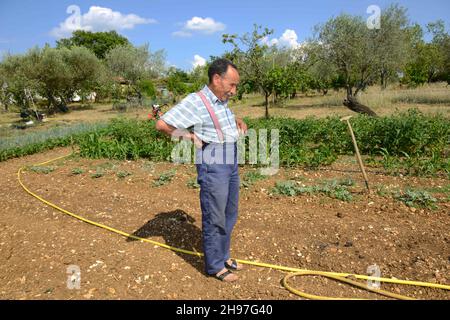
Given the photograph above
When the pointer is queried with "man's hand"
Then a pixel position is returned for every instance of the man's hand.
(189, 136)
(242, 127)
(178, 133)
(198, 143)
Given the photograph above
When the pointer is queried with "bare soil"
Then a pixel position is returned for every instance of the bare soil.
(39, 243)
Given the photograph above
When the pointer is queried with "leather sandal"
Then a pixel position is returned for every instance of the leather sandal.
(223, 276)
(233, 266)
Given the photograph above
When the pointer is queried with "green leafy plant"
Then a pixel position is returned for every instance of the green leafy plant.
(287, 188)
(164, 178)
(409, 143)
(417, 198)
(77, 171)
(98, 173)
(42, 169)
(192, 184)
(123, 174)
(250, 178)
(382, 191)
(332, 189)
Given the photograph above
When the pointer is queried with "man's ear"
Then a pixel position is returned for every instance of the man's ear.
(216, 78)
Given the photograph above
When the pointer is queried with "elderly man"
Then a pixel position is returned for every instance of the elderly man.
(215, 132)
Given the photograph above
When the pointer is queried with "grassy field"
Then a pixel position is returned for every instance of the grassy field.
(430, 99)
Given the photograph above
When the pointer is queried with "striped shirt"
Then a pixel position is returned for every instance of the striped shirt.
(192, 113)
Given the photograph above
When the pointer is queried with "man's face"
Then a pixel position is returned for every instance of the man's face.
(226, 85)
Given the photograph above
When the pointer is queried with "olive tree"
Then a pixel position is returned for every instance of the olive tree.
(134, 64)
(19, 79)
(53, 74)
(360, 54)
(64, 72)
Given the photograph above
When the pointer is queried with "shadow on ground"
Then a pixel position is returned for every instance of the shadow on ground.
(178, 230)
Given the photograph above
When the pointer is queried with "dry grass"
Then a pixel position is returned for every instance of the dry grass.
(430, 99)
(94, 114)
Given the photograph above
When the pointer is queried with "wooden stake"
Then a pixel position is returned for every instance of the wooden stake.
(358, 155)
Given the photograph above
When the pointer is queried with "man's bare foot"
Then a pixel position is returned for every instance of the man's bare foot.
(226, 275)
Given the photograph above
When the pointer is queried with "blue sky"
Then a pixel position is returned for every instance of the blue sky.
(185, 29)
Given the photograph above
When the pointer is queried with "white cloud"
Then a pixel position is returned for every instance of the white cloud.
(97, 19)
(200, 25)
(266, 40)
(288, 39)
(206, 25)
(198, 61)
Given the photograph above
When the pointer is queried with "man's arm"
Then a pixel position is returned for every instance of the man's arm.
(169, 130)
(162, 126)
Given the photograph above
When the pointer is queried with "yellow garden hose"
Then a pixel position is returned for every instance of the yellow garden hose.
(293, 272)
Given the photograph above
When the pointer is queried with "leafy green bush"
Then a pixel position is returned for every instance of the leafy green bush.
(417, 198)
(412, 141)
(77, 171)
(98, 173)
(193, 184)
(123, 174)
(250, 178)
(408, 143)
(42, 169)
(148, 88)
(126, 139)
(332, 189)
(164, 178)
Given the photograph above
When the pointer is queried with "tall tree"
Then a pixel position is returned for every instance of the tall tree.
(64, 72)
(441, 40)
(5, 95)
(177, 82)
(323, 74)
(157, 64)
(429, 61)
(55, 74)
(250, 54)
(391, 43)
(130, 63)
(21, 78)
(361, 54)
(98, 42)
(199, 77)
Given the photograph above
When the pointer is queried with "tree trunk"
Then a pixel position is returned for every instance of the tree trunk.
(267, 105)
(349, 91)
(383, 78)
(352, 103)
(51, 103)
(430, 76)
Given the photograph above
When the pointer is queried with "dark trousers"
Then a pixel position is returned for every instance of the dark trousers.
(218, 178)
